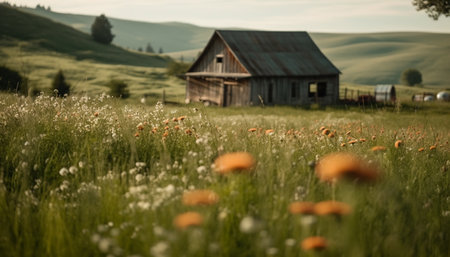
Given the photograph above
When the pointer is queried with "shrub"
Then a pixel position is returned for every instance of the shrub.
(101, 30)
(177, 68)
(118, 88)
(59, 85)
(12, 81)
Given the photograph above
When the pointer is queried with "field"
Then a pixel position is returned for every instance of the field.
(92, 176)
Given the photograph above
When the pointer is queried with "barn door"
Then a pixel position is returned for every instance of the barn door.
(227, 94)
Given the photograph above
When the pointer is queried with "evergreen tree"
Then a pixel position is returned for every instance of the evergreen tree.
(160, 50)
(59, 84)
(149, 48)
(101, 30)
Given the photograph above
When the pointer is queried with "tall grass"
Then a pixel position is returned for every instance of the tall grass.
(82, 176)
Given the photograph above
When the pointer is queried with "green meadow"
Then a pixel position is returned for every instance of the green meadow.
(92, 176)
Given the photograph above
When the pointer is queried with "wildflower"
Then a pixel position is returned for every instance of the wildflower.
(181, 118)
(249, 225)
(269, 131)
(325, 132)
(374, 137)
(433, 147)
(421, 149)
(136, 134)
(96, 114)
(378, 148)
(188, 131)
(140, 126)
(252, 130)
(332, 208)
(336, 165)
(63, 171)
(166, 134)
(301, 208)
(233, 162)
(322, 128)
(200, 197)
(398, 143)
(351, 142)
(362, 140)
(331, 135)
(176, 127)
(343, 144)
(314, 243)
(188, 219)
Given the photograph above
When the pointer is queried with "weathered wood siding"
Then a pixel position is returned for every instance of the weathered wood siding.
(220, 91)
(208, 62)
(282, 92)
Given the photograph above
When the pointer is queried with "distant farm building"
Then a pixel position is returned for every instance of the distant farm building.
(385, 93)
(239, 68)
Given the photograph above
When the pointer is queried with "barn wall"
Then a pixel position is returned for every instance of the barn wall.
(220, 91)
(282, 90)
(208, 63)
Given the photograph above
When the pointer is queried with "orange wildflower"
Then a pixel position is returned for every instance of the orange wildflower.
(322, 128)
(188, 131)
(398, 143)
(252, 130)
(181, 118)
(176, 127)
(343, 144)
(140, 126)
(136, 134)
(269, 131)
(362, 140)
(332, 208)
(314, 243)
(174, 119)
(433, 147)
(348, 133)
(337, 165)
(351, 142)
(166, 134)
(301, 208)
(96, 114)
(166, 127)
(233, 162)
(331, 135)
(188, 219)
(421, 149)
(200, 197)
(374, 137)
(166, 121)
(378, 148)
(325, 132)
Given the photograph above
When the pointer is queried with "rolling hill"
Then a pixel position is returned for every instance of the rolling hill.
(47, 35)
(364, 58)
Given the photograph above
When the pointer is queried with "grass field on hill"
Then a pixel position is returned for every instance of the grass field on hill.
(91, 176)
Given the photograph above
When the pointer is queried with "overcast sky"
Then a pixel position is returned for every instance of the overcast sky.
(309, 15)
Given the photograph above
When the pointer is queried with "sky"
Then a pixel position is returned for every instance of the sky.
(309, 15)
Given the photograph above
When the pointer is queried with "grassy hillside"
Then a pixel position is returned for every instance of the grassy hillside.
(369, 58)
(56, 37)
(375, 58)
(170, 36)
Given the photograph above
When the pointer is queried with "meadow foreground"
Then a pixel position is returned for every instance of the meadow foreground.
(91, 176)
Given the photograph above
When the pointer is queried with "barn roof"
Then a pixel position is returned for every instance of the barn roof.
(269, 53)
(384, 89)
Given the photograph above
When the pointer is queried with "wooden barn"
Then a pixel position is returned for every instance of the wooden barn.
(239, 68)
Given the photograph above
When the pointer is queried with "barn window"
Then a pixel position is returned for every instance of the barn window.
(312, 91)
(219, 58)
(317, 88)
(293, 90)
(270, 94)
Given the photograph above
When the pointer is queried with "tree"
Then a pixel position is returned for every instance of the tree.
(12, 81)
(101, 30)
(149, 48)
(434, 8)
(411, 77)
(118, 88)
(59, 84)
(160, 50)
